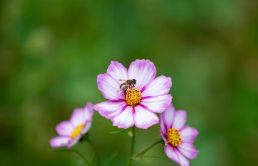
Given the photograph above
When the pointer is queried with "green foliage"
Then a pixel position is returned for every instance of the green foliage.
(52, 50)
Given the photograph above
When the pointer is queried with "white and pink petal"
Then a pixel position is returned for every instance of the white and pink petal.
(144, 118)
(157, 104)
(163, 129)
(168, 117)
(117, 71)
(124, 119)
(78, 117)
(179, 120)
(144, 71)
(188, 134)
(188, 150)
(109, 87)
(88, 112)
(72, 142)
(159, 86)
(110, 109)
(175, 155)
(65, 128)
(59, 141)
(86, 127)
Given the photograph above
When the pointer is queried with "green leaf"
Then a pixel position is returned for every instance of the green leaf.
(116, 132)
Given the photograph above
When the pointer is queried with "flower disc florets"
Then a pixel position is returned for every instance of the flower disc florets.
(133, 96)
(173, 137)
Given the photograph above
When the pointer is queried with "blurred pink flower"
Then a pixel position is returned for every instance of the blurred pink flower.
(137, 104)
(72, 130)
(178, 138)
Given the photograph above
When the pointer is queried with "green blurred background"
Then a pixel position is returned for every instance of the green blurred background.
(52, 50)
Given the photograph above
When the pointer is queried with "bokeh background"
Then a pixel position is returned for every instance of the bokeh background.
(52, 50)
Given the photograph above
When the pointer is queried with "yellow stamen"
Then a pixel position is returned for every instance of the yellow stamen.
(133, 96)
(173, 137)
(77, 131)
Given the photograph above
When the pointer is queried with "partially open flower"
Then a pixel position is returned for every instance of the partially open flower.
(178, 138)
(72, 130)
(133, 95)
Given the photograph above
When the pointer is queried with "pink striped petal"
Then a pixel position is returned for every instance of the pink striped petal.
(157, 104)
(64, 128)
(109, 87)
(168, 117)
(179, 120)
(88, 112)
(144, 118)
(109, 109)
(144, 71)
(175, 155)
(159, 86)
(188, 150)
(57, 142)
(74, 141)
(163, 130)
(188, 134)
(78, 117)
(117, 71)
(124, 119)
(86, 128)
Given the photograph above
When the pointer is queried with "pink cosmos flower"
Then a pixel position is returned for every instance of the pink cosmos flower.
(178, 138)
(72, 130)
(138, 103)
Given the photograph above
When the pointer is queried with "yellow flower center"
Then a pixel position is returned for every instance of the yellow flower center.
(77, 131)
(173, 137)
(133, 97)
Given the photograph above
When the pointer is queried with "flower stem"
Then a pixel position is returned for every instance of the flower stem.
(129, 163)
(148, 148)
(79, 154)
(95, 153)
(76, 152)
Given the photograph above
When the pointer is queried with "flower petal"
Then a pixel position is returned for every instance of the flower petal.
(163, 130)
(157, 104)
(86, 128)
(188, 150)
(144, 71)
(57, 142)
(78, 117)
(72, 142)
(175, 155)
(168, 117)
(88, 111)
(144, 118)
(109, 109)
(179, 120)
(109, 87)
(64, 128)
(188, 134)
(159, 86)
(124, 119)
(117, 71)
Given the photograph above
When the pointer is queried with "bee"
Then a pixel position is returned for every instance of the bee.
(127, 84)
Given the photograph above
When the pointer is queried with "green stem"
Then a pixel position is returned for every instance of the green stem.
(148, 148)
(79, 154)
(95, 153)
(129, 163)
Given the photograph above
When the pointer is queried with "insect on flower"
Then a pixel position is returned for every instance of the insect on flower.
(137, 99)
(127, 84)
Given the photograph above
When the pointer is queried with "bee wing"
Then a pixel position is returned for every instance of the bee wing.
(122, 80)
